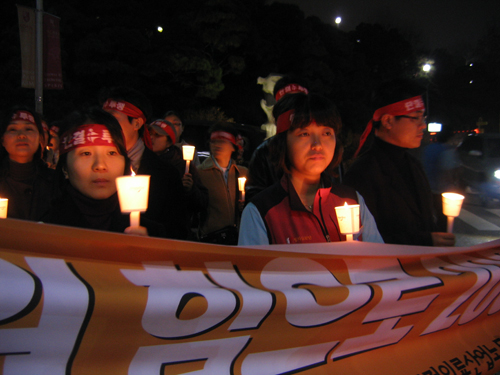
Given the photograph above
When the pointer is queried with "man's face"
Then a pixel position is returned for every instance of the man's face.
(407, 131)
(130, 131)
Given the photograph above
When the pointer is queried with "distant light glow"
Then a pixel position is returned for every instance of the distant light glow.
(434, 127)
(471, 81)
(471, 64)
(497, 174)
(160, 29)
(338, 20)
(426, 68)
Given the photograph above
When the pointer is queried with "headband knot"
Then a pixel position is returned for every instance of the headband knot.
(130, 110)
(400, 108)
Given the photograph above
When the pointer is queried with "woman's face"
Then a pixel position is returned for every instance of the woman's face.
(310, 150)
(160, 142)
(21, 140)
(92, 170)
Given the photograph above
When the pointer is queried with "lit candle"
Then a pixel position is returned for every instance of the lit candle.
(241, 185)
(4, 204)
(133, 193)
(452, 203)
(188, 155)
(348, 218)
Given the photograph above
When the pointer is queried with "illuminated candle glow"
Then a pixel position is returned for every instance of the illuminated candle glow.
(4, 204)
(187, 155)
(241, 184)
(348, 218)
(452, 204)
(133, 194)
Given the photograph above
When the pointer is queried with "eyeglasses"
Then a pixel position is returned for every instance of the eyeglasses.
(417, 119)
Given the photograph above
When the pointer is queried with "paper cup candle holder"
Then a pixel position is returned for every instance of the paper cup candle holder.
(133, 192)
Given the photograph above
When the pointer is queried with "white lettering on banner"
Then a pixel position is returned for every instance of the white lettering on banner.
(387, 275)
(256, 303)
(483, 276)
(286, 360)
(218, 354)
(17, 289)
(489, 280)
(169, 290)
(47, 348)
(302, 309)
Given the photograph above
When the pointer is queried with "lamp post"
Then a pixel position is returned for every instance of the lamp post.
(427, 68)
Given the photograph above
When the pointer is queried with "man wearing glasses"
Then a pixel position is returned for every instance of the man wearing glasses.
(393, 182)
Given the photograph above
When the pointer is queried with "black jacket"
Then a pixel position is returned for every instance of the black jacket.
(397, 193)
(166, 195)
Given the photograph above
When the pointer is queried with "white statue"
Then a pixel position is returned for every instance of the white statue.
(267, 105)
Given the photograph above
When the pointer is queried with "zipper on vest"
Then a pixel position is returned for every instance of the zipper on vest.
(323, 227)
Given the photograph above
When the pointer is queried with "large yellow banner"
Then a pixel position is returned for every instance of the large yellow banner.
(74, 301)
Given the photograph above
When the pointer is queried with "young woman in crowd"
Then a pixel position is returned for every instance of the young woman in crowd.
(300, 208)
(92, 156)
(219, 174)
(24, 178)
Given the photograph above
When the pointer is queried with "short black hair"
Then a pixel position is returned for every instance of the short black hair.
(307, 108)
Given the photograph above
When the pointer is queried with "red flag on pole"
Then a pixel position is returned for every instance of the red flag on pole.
(52, 72)
(26, 17)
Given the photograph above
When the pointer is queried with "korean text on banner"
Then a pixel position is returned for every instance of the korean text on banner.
(89, 302)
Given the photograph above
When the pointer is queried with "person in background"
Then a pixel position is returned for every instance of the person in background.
(219, 174)
(174, 118)
(24, 178)
(163, 137)
(300, 208)
(393, 182)
(261, 172)
(93, 155)
(166, 195)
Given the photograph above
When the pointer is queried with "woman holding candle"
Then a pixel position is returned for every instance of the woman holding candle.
(25, 180)
(300, 208)
(92, 156)
(219, 174)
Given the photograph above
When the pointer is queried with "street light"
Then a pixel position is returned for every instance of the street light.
(338, 20)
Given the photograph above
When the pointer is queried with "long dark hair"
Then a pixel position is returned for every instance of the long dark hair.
(307, 108)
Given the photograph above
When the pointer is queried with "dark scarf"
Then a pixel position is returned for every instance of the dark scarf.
(97, 213)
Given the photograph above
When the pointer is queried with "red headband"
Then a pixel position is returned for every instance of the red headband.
(290, 89)
(87, 135)
(130, 110)
(23, 116)
(396, 109)
(166, 127)
(226, 136)
(284, 121)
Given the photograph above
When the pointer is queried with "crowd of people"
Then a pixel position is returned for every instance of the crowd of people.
(65, 173)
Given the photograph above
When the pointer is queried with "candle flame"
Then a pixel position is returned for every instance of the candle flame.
(345, 204)
(132, 173)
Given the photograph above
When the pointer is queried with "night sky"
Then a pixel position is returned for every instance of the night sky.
(451, 24)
